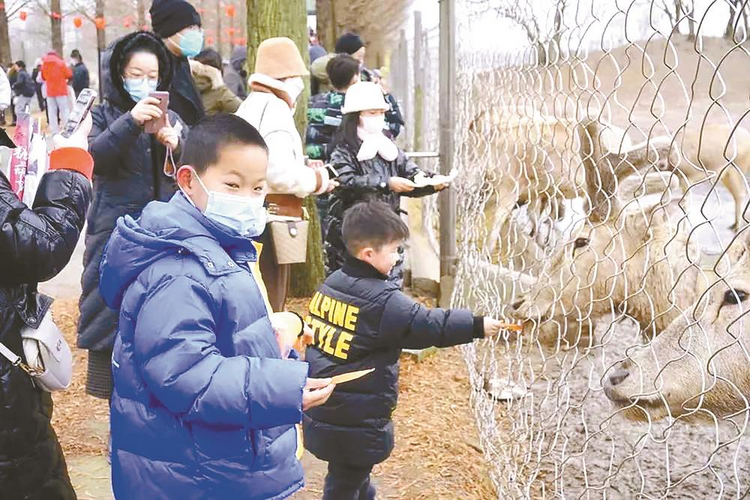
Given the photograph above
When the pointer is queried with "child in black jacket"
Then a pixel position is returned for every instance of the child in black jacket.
(360, 320)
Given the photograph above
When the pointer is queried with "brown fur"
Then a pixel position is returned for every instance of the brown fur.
(693, 369)
(632, 258)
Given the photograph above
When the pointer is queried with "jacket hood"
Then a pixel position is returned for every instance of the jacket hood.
(206, 77)
(318, 68)
(163, 230)
(239, 56)
(113, 88)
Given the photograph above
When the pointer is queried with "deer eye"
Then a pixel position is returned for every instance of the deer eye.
(734, 297)
(580, 243)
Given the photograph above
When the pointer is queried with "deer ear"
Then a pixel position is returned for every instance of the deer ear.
(599, 173)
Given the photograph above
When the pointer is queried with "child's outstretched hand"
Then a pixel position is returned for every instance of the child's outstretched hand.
(493, 327)
(316, 392)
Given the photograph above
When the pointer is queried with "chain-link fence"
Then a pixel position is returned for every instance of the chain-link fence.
(603, 149)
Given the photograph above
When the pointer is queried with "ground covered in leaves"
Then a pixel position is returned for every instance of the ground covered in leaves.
(436, 454)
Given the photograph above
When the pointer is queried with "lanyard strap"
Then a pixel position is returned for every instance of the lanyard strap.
(15, 359)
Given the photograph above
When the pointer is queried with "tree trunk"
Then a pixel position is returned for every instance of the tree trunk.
(691, 22)
(218, 28)
(266, 19)
(101, 43)
(141, 14)
(5, 55)
(729, 30)
(56, 25)
(325, 17)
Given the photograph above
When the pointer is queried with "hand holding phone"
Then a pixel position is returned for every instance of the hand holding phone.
(81, 109)
(146, 110)
(155, 125)
(332, 173)
(79, 138)
(168, 136)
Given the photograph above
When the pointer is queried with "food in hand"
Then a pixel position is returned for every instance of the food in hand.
(348, 377)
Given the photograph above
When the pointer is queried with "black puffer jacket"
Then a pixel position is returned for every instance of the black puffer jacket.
(128, 174)
(34, 246)
(184, 96)
(365, 181)
(362, 321)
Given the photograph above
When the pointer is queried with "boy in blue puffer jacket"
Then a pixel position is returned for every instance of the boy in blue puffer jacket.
(360, 320)
(204, 406)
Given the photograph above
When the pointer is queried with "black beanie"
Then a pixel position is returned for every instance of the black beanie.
(172, 16)
(349, 43)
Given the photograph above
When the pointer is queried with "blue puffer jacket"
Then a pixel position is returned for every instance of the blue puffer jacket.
(203, 406)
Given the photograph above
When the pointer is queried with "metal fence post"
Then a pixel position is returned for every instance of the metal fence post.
(447, 150)
(418, 83)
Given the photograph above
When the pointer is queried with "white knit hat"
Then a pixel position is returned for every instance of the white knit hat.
(364, 96)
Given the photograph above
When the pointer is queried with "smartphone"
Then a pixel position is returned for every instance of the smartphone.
(332, 173)
(82, 107)
(154, 126)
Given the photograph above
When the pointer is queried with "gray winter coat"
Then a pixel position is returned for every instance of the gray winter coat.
(234, 75)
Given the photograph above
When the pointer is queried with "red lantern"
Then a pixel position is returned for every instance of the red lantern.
(2, 6)
(231, 11)
(100, 23)
(210, 40)
(77, 22)
(56, 15)
(23, 15)
(230, 31)
(126, 22)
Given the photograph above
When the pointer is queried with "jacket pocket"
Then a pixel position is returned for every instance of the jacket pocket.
(213, 444)
(257, 445)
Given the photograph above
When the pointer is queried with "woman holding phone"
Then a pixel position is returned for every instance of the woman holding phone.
(128, 174)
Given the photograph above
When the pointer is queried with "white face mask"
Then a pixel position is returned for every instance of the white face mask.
(294, 87)
(243, 214)
(373, 124)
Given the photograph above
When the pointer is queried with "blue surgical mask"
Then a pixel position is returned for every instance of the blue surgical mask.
(191, 42)
(243, 214)
(139, 88)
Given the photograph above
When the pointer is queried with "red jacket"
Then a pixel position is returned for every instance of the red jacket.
(56, 74)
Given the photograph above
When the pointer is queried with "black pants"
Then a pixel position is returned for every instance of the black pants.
(348, 482)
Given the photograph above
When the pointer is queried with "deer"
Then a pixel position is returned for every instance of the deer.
(698, 368)
(536, 161)
(629, 254)
(714, 150)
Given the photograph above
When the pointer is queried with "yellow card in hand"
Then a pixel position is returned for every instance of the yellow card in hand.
(348, 377)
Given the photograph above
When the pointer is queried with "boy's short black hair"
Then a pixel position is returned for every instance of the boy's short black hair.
(372, 224)
(341, 70)
(207, 137)
(21, 64)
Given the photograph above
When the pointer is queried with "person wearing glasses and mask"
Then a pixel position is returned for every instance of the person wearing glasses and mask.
(178, 24)
(276, 85)
(128, 174)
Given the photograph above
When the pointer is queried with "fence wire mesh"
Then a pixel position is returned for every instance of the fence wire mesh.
(603, 149)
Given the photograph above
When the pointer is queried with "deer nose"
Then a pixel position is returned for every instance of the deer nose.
(617, 377)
